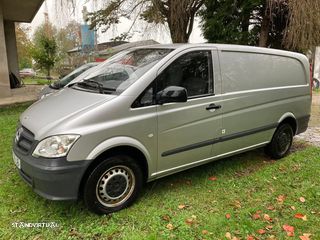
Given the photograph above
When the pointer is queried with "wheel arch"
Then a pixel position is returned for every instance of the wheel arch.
(291, 120)
(118, 146)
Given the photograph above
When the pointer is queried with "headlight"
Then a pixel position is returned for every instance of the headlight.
(55, 146)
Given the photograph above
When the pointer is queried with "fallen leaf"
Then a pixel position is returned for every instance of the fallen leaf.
(250, 237)
(166, 218)
(269, 227)
(290, 234)
(281, 198)
(301, 216)
(169, 226)
(256, 216)
(228, 216)
(228, 235)
(271, 208)
(189, 221)
(213, 178)
(289, 229)
(302, 199)
(305, 236)
(235, 238)
(267, 218)
(204, 232)
(182, 206)
(261, 231)
(293, 207)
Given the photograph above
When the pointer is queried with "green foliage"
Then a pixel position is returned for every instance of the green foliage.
(45, 50)
(23, 46)
(227, 21)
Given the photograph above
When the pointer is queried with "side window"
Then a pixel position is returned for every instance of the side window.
(192, 71)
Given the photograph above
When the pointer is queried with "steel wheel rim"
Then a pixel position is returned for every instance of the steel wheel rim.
(115, 186)
(284, 141)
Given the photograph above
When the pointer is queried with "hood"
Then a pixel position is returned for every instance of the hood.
(57, 108)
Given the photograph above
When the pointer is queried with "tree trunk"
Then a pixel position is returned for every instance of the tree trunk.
(264, 32)
(48, 72)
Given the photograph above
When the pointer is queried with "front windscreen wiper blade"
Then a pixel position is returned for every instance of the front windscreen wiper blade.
(92, 83)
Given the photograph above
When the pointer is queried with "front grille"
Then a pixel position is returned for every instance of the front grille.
(25, 141)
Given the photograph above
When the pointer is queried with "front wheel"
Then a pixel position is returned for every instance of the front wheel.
(113, 185)
(281, 142)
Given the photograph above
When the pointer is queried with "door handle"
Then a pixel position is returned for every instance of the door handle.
(212, 106)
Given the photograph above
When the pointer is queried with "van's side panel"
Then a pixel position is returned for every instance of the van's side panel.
(257, 90)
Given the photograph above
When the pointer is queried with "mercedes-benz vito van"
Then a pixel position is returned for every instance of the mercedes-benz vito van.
(158, 110)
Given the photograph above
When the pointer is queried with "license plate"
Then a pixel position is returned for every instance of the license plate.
(16, 160)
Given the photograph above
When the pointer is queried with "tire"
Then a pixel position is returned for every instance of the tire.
(113, 185)
(281, 142)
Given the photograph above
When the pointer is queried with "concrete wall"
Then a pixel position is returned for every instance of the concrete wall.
(5, 90)
(11, 45)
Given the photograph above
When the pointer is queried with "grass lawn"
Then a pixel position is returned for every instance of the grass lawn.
(248, 195)
(37, 81)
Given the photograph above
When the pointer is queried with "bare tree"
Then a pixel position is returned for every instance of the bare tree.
(177, 15)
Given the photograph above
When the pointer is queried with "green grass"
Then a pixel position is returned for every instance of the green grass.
(37, 81)
(245, 184)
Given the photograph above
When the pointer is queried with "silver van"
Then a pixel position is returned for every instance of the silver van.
(158, 110)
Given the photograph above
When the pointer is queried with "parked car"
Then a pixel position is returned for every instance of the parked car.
(27, 72)
(158, 110)
(56, 86)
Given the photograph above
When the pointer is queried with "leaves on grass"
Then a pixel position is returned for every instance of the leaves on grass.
(256, 216)
(271, 208)
(228, 216)
(293, 207)
(289, 230)
(182, 206)
(166, 218)
(281, 199)
(305, 236)
(250, 237)
(302, 199)
(204, 232)
(191, 221)
(170, 226)
(301, 216)
(261, 231)
(267, 218)
(213, 178)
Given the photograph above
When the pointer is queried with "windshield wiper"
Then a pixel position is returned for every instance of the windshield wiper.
(98, 85)
(91, 83)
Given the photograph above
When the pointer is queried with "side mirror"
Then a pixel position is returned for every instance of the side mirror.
(172, 94)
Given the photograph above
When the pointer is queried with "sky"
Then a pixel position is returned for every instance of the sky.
(142, 31)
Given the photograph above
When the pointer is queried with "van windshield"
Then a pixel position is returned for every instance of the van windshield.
(115, 76)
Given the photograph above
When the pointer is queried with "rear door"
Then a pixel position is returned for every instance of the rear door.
(187, 130)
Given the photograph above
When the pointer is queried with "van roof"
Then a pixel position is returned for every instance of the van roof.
(228, 47)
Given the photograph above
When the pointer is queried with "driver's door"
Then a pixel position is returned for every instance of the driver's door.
(187, 130)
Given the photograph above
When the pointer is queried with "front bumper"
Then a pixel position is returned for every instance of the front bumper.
(54, 179)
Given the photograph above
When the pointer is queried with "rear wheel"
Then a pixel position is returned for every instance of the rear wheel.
(281, 142)
(113, 185)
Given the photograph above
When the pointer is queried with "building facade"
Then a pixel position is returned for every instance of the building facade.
(12, 11)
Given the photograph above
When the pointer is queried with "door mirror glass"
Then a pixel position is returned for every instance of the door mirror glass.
(172, 94)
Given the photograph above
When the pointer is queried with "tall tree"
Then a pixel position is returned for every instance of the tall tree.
(177, 15)
(285, 24)
(24, 45)
(45, 48)
(228, 21)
